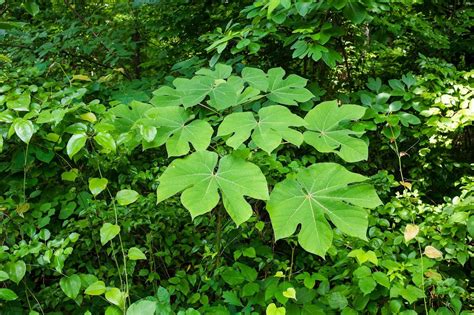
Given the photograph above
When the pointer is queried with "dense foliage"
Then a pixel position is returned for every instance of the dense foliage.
(236, 157)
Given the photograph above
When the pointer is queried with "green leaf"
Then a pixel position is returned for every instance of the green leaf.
(250, 289)
(411, 293)
(327, 135)
(129, 117)
(272, 309)
(272, 5)
(71, 175)
(96, 288)
(106, 141)
(142, 307)
(108, 231)
(113, 310)
(135, 253)
(227, 94)
(3, 276)
(255, 78)
(319, 192)
(195, 175)
(116, 297)
(470, 225)
(177, 132)
(272, 126)
(97, 185)
(337, 300)
(166, 96)
(367, 285)
(193, 91)
(287, 91)
(381, 279)
(70, 285)
(230, 297)
(31, 7)
(363, 256)
(7, 295)
(20, 104)
(24, 129)
(75, 144)
(355, 11)
(16, 270)
(126, 196)
(232, 277)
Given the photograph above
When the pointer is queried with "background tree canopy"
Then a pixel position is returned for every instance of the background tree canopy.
(236, 157)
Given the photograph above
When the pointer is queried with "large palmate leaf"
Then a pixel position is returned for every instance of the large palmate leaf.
(190, 92)
(321, 192)
(224, 90)
(131, 125)
(126, 117)
(176, 132)
(287, 91)
(326, 134)
(272, 126)
(199, 182)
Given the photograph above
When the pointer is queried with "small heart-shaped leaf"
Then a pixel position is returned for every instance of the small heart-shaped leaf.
(135, 254)
(290, 293)
(108, 231)
(272, 309)
(97, 185)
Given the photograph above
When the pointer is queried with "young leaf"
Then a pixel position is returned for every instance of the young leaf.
(195, 175)
(273, 125)
(108, 231)
(272, 309)
(97, 185)
(136, 254)
(287, 91)
(126, 196)
(70, 285)
(7, 295)
(75, 144)
(175, 131)
(24, 129)
(290, 293)
(96, 288)
(327, 135)
(319, 192)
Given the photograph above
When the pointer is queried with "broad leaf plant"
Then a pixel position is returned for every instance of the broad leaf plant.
(208, 119)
